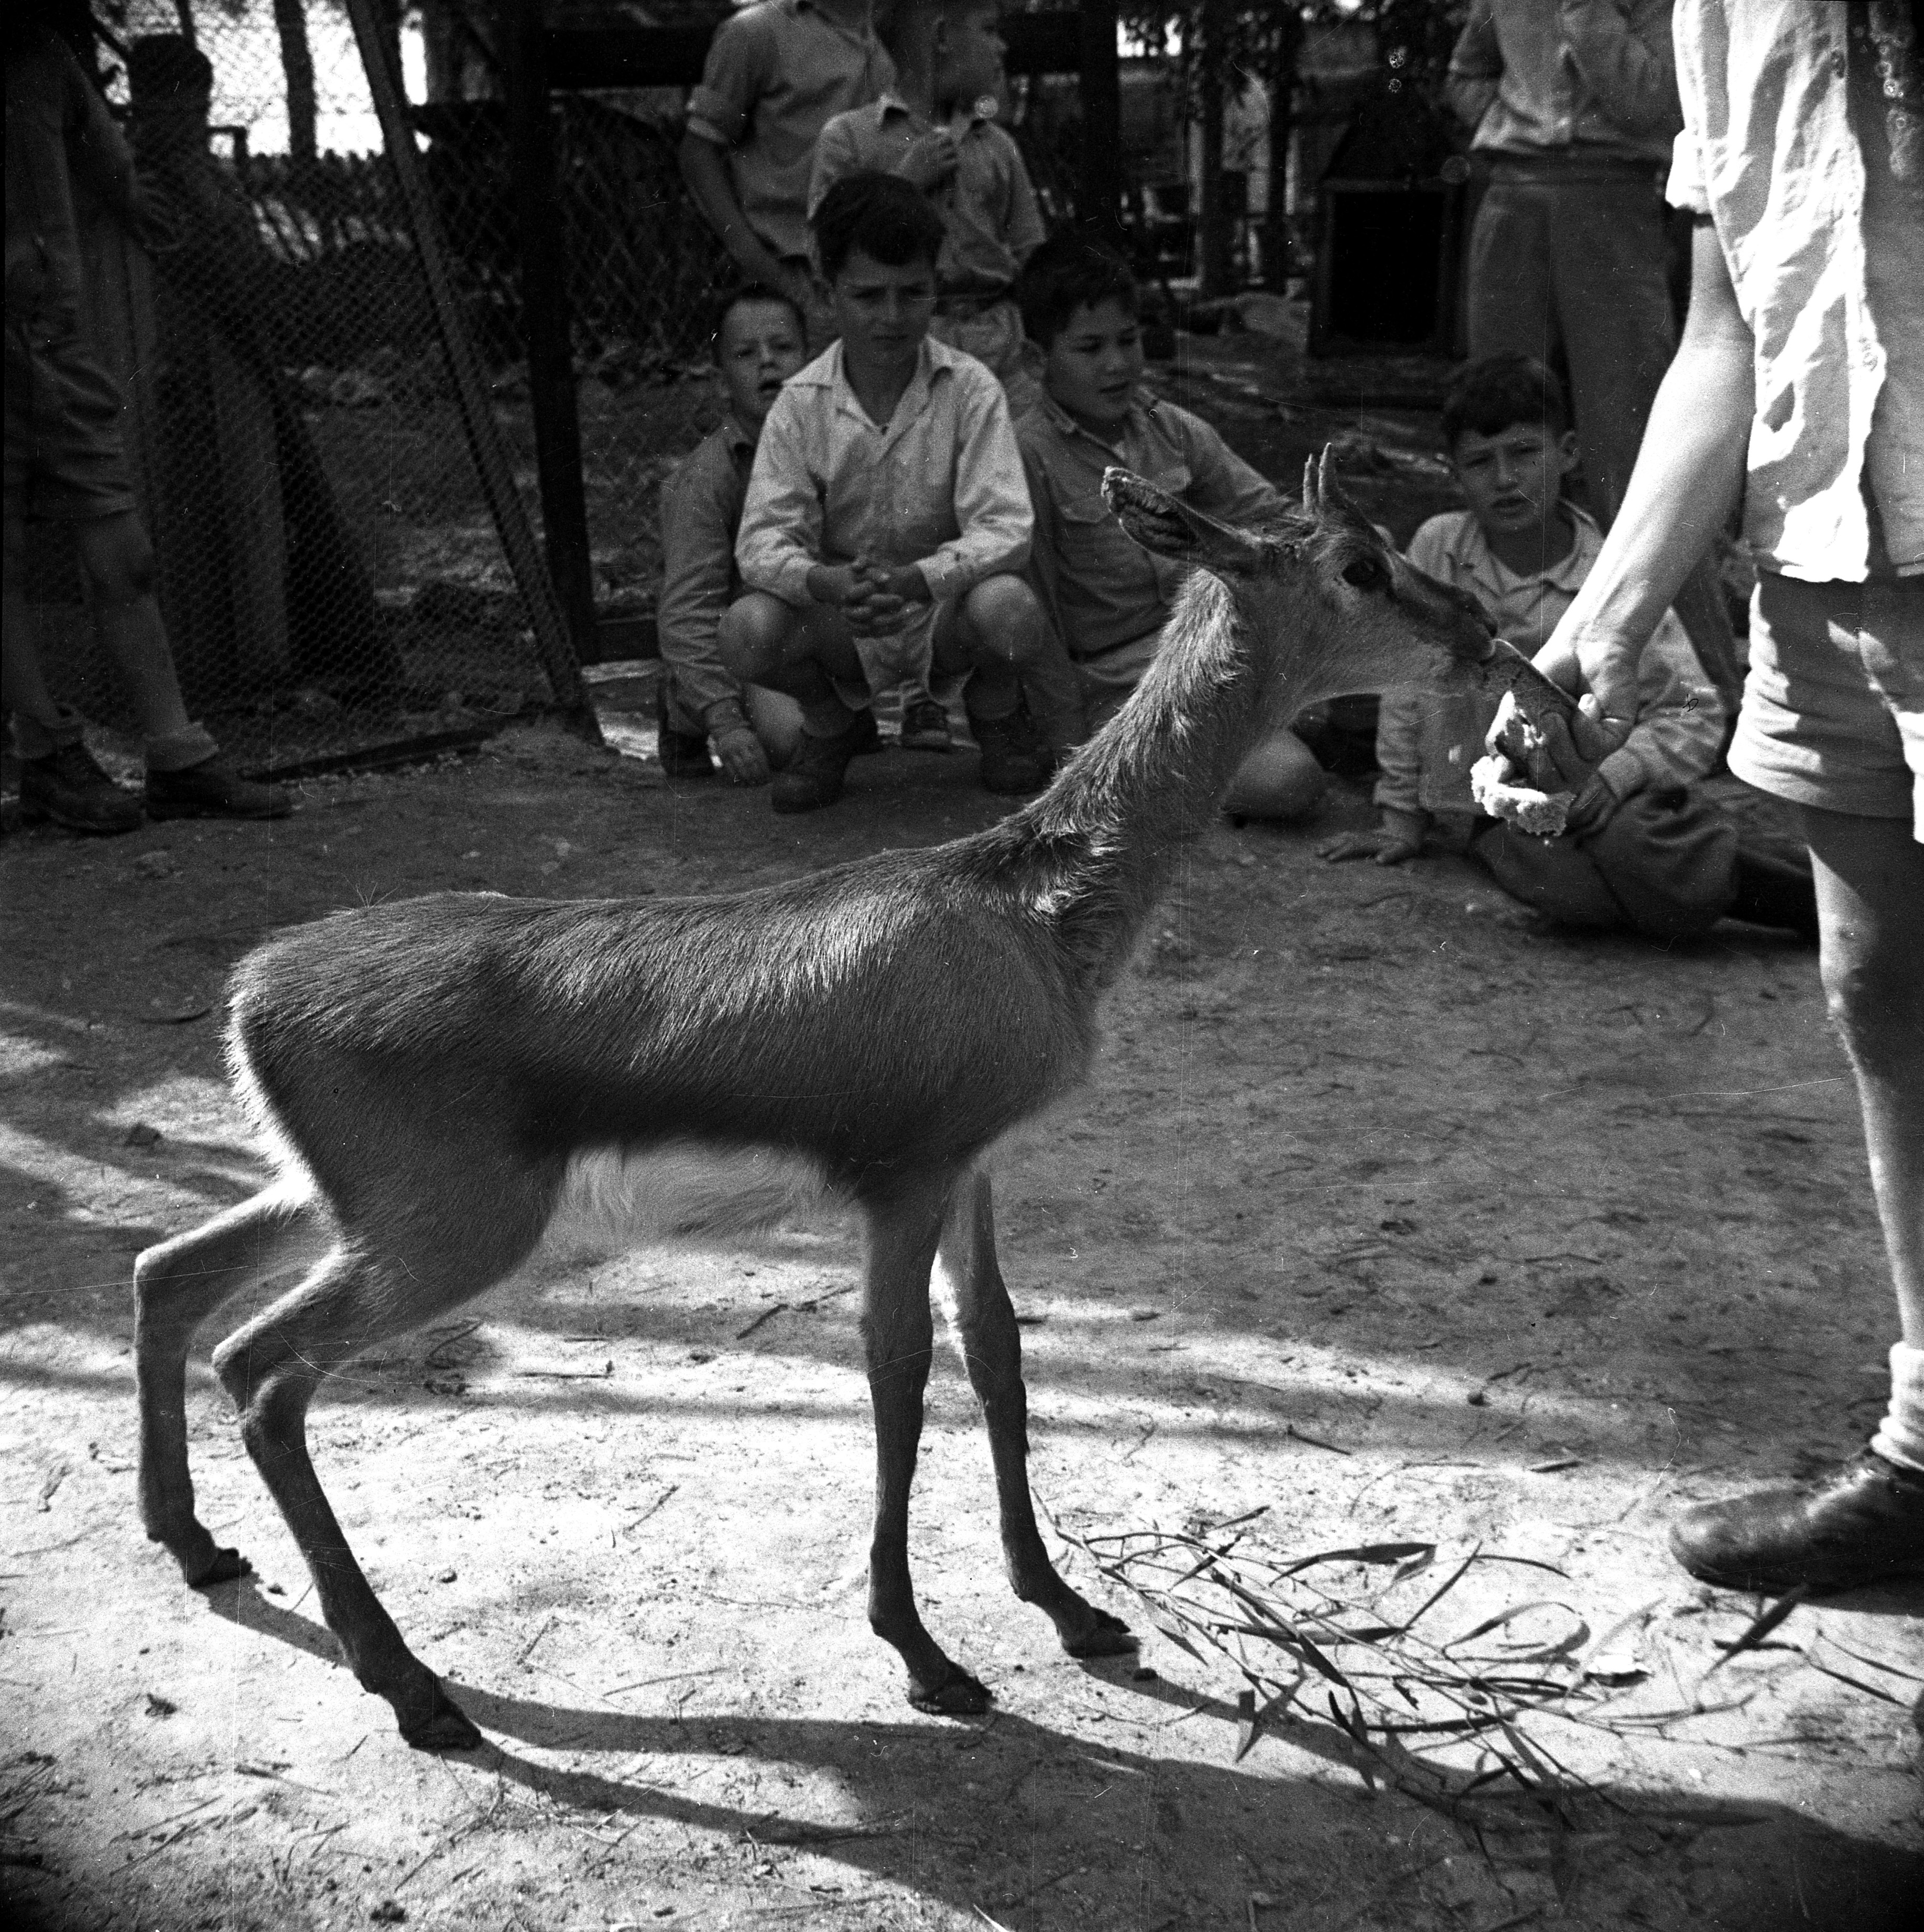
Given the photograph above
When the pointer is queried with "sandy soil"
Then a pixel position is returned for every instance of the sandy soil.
(1380, 1200)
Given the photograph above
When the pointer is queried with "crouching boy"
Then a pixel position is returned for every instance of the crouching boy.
(1643, 851)
(886, 517)
(1107, 598)
(760, 340)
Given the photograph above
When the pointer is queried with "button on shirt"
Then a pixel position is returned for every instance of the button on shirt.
(1426, 742)
(940, 485)
(1826, 253)
(1596, 77)
(1102, 589)
(701, 510)
(776, 74)
(55, 121)
(988, 205)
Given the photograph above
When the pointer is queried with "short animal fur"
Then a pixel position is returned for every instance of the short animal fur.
(451, 1083)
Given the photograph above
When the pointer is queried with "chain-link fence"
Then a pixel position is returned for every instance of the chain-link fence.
(330, 571)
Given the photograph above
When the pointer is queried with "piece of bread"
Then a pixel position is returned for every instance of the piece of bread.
(1493, 785)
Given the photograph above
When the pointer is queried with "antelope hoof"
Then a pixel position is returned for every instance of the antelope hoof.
(446, 1727)
(958, 1695)
(1105, 1636)
(203, 1570)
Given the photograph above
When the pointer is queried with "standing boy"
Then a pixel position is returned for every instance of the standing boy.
(760, 341)
(777, 72)
(1108, 599)
(937, 130)
(886, 517)
(1643, 852)
(64, 463)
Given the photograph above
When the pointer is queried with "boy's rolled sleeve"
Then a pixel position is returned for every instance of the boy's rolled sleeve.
(1680, 727)
(779, 541)
(1023, 229)
(835, 156)
(733, 79)
(991, 498)
(697, 554)
(1399, 751)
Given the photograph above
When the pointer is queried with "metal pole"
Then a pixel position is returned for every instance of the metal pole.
(484, 443)
(1101, 195)
(545, 317)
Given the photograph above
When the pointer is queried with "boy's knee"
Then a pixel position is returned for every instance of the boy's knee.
(1005, 621)
(1280, 779)
(755, 632)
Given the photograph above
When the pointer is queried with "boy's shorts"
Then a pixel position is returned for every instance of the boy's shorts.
(905, 657)
(65, 461)
(1833, 707)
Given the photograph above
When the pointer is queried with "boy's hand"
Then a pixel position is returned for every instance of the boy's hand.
(744, 762)
(929, 160)
(1399, 837)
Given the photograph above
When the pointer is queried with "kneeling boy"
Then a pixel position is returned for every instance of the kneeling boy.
(886, 516)
(1109, 598)
(1643, 851)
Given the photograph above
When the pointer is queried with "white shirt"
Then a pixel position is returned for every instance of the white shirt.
(1826, 253)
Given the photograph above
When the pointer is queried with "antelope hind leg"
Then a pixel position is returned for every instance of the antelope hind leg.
(271, 1368)
(992, 1346)
(900, 1334)
(176, 1284)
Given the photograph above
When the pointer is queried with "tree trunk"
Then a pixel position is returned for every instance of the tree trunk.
(1278, 231)
(1213, 228)
(296, 63)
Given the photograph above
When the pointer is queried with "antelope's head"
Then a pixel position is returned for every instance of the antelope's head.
(1318, 592)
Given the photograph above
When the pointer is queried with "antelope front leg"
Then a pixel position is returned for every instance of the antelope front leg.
(901, 1336)
(992, 1345)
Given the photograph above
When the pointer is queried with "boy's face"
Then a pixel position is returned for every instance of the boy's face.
(969, 51)
(760, 348)
(882, 312)
(1512, 481)
(1093, 366)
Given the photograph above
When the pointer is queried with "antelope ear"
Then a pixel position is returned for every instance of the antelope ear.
(1323, 495)
(1167, 526)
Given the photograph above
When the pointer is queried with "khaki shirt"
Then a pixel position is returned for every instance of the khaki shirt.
(1577, 78)
(701, 510)
(988, 205)
(777, 73)
(940, 485)
(1102, 589)
(1786, 147)
(1426, 742)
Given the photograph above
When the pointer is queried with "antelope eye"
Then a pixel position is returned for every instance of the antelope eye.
(1366, 573)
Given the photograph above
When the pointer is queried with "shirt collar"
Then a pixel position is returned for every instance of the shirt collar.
(888, 101)
(1567, 573)
(1138, 421)
(934, 358)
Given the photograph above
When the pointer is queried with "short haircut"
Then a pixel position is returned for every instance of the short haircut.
(1500, 391)
(880, 214)
(757, 292)
(1069, 272)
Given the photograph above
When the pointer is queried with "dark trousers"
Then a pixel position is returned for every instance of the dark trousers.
(1663, 864)
(1577, 258)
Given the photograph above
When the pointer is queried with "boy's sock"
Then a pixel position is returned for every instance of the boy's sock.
(1900, 1436)
(1773, 892)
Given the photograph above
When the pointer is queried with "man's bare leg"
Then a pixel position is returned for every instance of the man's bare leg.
(1866, 1522)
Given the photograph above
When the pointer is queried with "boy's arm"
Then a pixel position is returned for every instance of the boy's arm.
(779, 541)
(1023, 229)
(1399, 835)
(1626, 60)
(1221, 483)
(991, 496)
(1680, 727)
(834, 156)
(719, 109)
(1475, 68)
(697, 549)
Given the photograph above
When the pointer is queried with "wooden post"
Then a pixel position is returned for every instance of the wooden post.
(484, 444)
(544, 318)
(1101, 199)
(1213, 218)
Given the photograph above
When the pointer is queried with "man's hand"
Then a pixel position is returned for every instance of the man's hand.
(744, 762)
(1604, 666)
(1400, 837)
(930, 161)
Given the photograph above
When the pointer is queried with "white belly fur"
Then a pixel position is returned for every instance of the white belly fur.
(612, 1199)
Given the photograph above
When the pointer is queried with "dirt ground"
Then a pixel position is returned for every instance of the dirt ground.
(1386, 1212)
